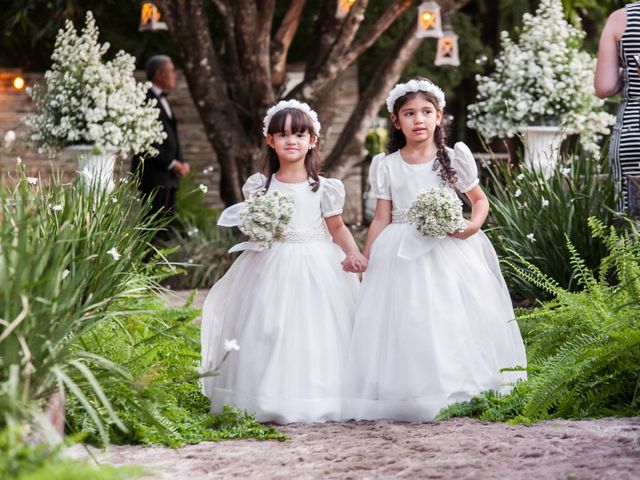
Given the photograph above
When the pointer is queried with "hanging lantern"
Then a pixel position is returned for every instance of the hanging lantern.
(150, 18)
(343, 8)
(447, 50)
(429, 20)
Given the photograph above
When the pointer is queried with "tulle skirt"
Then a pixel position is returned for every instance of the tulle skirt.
(430, 331)
(291, 310)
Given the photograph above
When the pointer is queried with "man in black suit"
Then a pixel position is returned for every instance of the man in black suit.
(160, 175)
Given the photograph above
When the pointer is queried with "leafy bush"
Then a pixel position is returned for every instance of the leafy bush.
(583, 347)
(531, 215)
(68, 256)
(159, 400)
(23, 462)
(200, 245)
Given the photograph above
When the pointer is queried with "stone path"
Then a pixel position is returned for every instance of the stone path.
(456, 449)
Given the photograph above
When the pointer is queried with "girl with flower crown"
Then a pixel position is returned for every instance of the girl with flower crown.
(434, 323)
(289, 306)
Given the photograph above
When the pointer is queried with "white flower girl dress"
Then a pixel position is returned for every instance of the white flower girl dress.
(290, 308)
(434, 322)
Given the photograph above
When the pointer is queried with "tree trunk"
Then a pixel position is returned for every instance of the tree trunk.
(232, 89)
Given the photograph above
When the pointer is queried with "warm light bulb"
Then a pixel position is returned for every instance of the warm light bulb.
(18, 83)
(427, 17)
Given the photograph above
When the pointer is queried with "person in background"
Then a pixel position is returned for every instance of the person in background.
(160, 175)
(617, 71)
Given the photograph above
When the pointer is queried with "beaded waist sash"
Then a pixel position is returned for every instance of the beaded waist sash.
(399, 215)
(307, 236)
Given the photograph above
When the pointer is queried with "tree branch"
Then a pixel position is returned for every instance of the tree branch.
(282, 42)
(349, 149)
(381, 26)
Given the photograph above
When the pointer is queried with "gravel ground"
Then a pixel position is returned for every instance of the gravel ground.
(457, 449)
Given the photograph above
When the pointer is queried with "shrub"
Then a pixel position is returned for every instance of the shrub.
(583, 347)
(531, 215)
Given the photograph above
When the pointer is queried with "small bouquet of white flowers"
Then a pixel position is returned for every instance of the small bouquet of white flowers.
(435, 213)
(266, 216)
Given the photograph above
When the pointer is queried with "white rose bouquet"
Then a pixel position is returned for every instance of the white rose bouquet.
(435, 213)
(89, 101)
(266, 216)
(545, 78)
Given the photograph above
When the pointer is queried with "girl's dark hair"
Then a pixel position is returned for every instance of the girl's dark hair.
(397, 140)
(300, 123)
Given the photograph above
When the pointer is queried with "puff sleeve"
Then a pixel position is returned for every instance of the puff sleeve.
(465, 166)
(333, 195)
(379, 178)
(253, 185)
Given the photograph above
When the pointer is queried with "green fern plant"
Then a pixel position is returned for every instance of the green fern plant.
(583, 347)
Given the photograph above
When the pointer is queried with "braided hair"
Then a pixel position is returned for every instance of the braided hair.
(397, 140)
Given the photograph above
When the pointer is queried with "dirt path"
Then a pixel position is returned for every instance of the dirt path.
(456, 449)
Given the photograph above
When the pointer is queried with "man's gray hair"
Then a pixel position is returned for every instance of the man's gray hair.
(154, 64)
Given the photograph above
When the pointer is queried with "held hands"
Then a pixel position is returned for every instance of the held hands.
(355, 263)
(471, 229)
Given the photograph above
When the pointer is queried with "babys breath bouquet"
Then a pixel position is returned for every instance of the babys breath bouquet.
(435, 213)
(266, 216)
(544, 78)
(89, 101)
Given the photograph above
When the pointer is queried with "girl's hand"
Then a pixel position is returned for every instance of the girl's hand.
(471, 229)
(355, 263)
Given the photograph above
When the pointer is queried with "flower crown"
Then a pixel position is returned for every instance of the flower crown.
(281, 105)
(402, 89)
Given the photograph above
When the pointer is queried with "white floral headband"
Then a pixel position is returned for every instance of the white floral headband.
(402, 89)
(281, 105)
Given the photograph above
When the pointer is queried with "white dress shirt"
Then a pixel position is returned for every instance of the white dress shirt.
(165, 105)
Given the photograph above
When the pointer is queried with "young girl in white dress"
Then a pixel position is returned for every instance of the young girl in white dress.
(434, 322)
(289, 307)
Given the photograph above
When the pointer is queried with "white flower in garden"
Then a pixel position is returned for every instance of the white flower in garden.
(565, 171)
(56, 208)
(114, 200)
(231, 345)
(203, 188)
(545, 202)
(545, 77)
(192, 231)
(32, 180)
(18, 161)
(518, 193)
(520, 177)
(114, 253)
(87, 100)
(9, 137)
(531, 237)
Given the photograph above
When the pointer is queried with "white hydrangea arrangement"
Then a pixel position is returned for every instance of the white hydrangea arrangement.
(546, 78)
(266, 216)
(88, 101)
(435, 213)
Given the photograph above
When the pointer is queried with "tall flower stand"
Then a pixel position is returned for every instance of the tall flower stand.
(95, 168)
(542, 147)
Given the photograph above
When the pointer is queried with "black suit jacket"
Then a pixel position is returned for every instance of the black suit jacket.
(155, 170)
